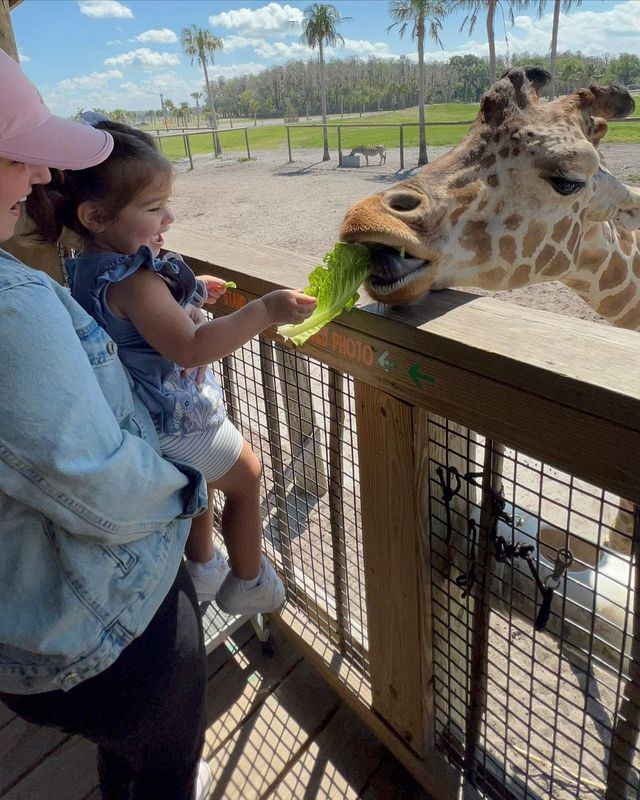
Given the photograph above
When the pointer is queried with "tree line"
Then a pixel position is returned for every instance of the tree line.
(306, 87)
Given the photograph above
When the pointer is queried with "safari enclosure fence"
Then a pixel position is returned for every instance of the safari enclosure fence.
(346, 139)
(440, 487)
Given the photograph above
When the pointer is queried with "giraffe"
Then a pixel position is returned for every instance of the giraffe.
(524, 198)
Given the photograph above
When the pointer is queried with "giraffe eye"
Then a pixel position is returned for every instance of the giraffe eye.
(565, 186)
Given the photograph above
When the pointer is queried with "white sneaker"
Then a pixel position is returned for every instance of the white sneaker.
(266, 596)
(207, 578)
(203, 782)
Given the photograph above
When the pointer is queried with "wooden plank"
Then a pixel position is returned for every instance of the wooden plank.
(22, 746)
(6, 715)
(70, 773)
(352, 687)
(7, 38)
(389, 537)
(338, 763)
(392, 782)
(250, 760)
(241, 685)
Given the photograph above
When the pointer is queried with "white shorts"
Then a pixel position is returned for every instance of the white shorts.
(213, 452)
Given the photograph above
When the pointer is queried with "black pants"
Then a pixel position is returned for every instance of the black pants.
(146, 712)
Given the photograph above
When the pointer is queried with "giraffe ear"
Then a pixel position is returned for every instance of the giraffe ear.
(611, 101)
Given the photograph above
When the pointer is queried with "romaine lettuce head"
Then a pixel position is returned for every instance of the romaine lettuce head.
(335, 284)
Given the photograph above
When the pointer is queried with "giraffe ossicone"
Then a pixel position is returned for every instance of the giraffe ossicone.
(524, 198)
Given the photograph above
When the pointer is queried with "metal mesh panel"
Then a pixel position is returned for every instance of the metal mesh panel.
(298, 415)
(546, 713)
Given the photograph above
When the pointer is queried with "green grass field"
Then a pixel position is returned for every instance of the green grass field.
(271, 137)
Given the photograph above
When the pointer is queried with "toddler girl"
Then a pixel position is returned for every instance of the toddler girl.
(119, 209)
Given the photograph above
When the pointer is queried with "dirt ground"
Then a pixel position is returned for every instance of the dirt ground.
(299, 206)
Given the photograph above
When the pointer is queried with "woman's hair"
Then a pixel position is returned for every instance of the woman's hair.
(134, 164)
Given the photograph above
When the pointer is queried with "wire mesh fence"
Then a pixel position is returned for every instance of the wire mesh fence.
(532, 604)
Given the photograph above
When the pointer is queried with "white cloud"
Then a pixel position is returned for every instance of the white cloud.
(164, 35)
(142, 58)
(94, 79)
(615, 30)
(361, 48)
(101, 9)
(285, 51)
(23, 57)
(235, 70)
(270, 20)
(274, 51)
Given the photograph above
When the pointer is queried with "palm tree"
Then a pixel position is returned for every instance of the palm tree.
(201, 45)
(476, 7)
(197, 96)
(185, 112)
(319, 28)
(419, 12)
(566, 5)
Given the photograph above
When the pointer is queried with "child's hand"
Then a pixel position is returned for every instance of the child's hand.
(288, 305)
(216, 287)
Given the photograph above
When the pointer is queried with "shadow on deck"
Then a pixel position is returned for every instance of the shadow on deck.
(276, 730)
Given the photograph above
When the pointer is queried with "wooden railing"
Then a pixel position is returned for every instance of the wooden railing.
(561, 390)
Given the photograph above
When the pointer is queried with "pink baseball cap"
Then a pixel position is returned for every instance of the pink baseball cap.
(30, 133)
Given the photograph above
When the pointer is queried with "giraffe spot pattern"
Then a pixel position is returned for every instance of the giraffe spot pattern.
(475, 238)
(536, 232)
(544, 256)
(615, 304)
(507, 248)
(560, 230)
(512, 222)
(558, 265)
(594, 260)
(520, 277)
(493, 278)
(614, 274)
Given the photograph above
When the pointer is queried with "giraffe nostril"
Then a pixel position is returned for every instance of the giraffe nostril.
(402, 200)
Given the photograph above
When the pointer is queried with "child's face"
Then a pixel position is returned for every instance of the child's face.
(142, 222)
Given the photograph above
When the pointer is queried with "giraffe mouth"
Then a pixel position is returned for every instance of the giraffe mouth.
(390, 270)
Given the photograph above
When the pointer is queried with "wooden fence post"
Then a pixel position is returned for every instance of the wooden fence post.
(187, 149)
(246, 138)
(289, 143)
(401, 146)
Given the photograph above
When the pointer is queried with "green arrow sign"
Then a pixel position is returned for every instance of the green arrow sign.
(418, 377)
(385, 362)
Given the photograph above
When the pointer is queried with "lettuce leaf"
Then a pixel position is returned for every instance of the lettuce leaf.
(335, 284)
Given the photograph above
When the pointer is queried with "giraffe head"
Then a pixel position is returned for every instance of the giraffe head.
(509, 206)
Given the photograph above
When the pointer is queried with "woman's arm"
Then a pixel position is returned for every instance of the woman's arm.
(146, 301)
(62, 451)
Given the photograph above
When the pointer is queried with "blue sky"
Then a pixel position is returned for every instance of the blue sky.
(123, 53)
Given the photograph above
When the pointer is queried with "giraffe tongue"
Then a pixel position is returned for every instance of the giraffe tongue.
(388, 264)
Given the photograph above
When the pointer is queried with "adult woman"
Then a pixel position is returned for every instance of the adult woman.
(99, 632)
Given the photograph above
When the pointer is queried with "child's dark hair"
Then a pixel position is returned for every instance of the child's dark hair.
(134, 163)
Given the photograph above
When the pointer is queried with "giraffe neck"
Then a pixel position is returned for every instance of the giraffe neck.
(607, 273)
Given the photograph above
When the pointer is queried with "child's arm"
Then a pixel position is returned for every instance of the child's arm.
(145, 300)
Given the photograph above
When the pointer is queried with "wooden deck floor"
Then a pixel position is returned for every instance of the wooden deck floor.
(277, 731)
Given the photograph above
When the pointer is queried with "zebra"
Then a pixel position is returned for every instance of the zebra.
(375, 150)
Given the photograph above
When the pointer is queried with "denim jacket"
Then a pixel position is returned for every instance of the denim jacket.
(92, 520)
